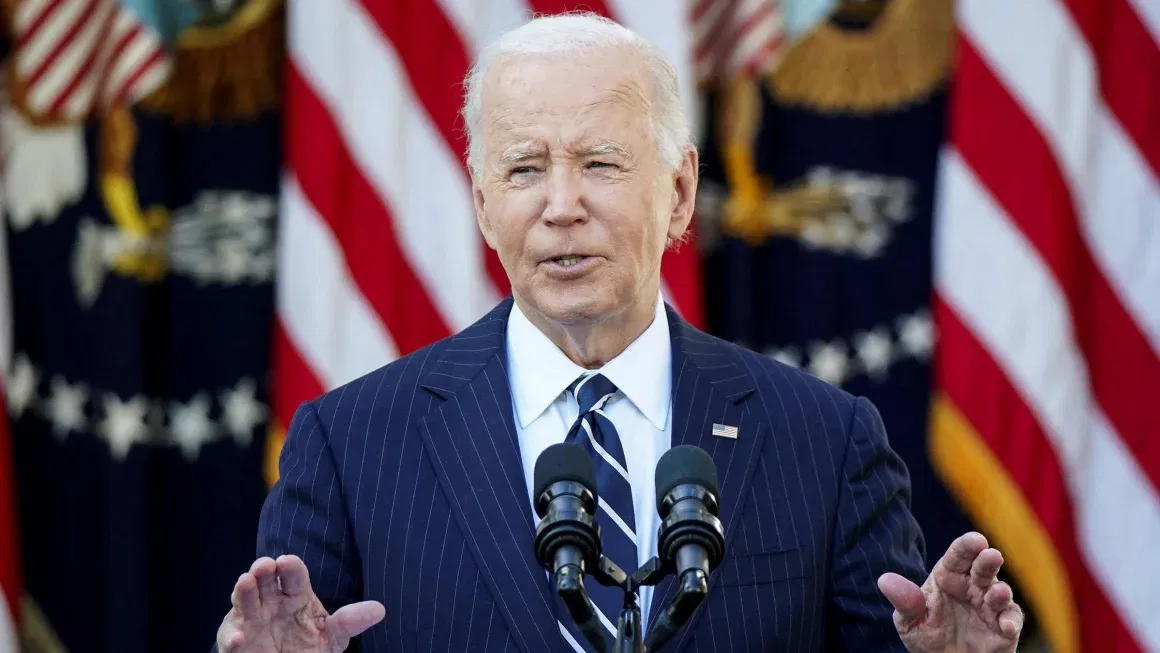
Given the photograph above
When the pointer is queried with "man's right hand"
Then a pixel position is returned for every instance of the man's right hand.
(275, 611)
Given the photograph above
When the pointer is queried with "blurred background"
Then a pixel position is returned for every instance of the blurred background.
(217, 209)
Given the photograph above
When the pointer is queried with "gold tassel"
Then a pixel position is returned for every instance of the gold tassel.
(739, 108)
(118, 141)
(145, 259)
(227, 72)
(36, 633)
(900, 58)
(755, 210)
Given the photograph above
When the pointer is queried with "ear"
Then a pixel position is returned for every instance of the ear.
(684, 194)
(481, 214)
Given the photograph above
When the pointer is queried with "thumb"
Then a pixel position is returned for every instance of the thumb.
(351, 620)
(906, 597)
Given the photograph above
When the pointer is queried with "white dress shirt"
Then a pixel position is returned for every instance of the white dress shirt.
(539, 374)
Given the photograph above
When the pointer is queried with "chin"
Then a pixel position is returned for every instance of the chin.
(569, 306)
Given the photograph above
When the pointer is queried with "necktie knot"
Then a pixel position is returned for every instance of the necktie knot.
(592, 391)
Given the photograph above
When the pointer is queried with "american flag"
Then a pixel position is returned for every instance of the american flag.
(725, 431)
(735, 37)
(1047, 267)
(73, 57)
(379, 252)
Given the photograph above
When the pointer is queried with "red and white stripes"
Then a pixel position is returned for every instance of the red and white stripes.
(735, 37)
(1047, 257)
(74, 56)
(380, 253)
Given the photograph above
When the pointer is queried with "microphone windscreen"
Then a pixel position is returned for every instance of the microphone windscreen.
(564, 462)
(686, 464)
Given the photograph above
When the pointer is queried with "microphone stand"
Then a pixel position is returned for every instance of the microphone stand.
(629, 638)
(629, 629)
(692, 588)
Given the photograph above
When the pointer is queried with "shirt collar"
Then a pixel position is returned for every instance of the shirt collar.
(539, 371)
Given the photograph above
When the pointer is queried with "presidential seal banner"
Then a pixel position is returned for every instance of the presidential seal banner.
(818, 199)
(142, 257)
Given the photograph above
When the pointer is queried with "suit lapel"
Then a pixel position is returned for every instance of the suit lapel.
(472, 440)
(710, 386)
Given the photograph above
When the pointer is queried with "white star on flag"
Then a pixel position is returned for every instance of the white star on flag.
(916, 334)
(828, 362)
(241, 412)
(124, 424)
(874, 350)
(190, 425)
(66, 407)
(22, 386)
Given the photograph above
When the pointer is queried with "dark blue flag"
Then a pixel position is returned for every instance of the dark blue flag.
(142, 318)
(821, 178)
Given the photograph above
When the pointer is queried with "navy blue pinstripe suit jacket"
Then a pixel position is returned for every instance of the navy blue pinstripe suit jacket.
(406, 487)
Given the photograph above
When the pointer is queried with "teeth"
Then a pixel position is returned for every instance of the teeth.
(568, 261)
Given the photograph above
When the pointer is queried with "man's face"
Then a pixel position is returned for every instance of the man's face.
(573, 193)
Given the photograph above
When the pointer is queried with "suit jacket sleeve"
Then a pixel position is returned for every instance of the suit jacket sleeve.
(306, 514)
(875, 533)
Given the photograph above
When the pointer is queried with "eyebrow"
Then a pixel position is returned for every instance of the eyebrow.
(517, 155)
(520, 154)
(605, 148)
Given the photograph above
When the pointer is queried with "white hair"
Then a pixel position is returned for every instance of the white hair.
(575, 32)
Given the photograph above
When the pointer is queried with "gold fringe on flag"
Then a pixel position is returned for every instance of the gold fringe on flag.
(901, 57)
(36, 633)
(995, 502)
(231, 71)
(275, 438)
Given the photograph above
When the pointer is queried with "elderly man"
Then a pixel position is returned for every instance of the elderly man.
(404, 510)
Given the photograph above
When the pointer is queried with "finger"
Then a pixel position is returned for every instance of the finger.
(1011, 622)
(245, 597)
(294, 575)
(907, 598)
(263, 572)
(985, 568)
(962, 552)
(351, 620)
(998, 597)
(230, 638)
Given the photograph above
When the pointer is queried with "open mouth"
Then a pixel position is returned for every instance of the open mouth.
(570, 266)
(569, 261)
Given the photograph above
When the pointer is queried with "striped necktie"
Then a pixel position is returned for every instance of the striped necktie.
(595, 433)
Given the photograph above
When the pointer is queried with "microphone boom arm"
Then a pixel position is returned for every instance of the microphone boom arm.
(569, 584)
(694, 585)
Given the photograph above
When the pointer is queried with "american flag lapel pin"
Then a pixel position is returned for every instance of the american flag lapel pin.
(724, 431)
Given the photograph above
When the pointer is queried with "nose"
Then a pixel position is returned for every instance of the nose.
(565, 203)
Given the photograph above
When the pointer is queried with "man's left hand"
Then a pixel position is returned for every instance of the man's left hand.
(962, 606)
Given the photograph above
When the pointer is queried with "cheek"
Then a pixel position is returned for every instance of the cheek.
(637, 229)
(512, 216)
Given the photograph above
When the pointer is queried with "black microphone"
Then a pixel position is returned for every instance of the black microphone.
(568, 539)
(691, 538)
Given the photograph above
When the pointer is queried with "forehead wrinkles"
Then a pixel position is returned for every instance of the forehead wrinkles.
(512, 112)
(567, 83)
(514, 126)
